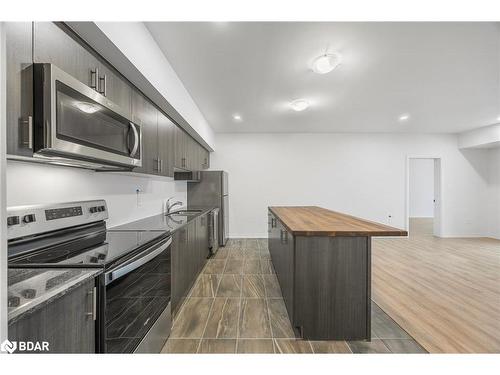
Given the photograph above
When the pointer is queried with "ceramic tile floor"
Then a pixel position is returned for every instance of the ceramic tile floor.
(236, 306)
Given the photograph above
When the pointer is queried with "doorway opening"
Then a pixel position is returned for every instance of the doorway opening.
(423, 196)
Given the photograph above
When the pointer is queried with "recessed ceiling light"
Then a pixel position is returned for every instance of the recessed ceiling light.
(326, 63)
(498, 118)
(404, 117)
(299, 105)
(236, 117)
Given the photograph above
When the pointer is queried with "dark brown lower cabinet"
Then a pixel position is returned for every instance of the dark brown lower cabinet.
(189, 255)
(66, 323)
(180, 272)
(202, 237)
(325, 282)
(286, 277)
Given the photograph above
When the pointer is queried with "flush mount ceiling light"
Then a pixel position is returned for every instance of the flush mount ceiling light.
(326, 63)
(87, 107)
(237, 117)
(498, 118)
(299, 105)
(404, 117)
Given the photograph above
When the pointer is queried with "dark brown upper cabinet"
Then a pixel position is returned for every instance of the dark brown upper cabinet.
(181, 149)
(19, 97)
(145, 115)
(166, 146)
(54, 43)
(189, 154)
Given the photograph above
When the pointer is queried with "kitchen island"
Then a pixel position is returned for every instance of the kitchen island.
(322, 260)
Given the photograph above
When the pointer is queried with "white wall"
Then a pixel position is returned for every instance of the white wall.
(494, 193)
(486, 136)
(421, 187)
(359, 174)
(29, 183)
(135, 42)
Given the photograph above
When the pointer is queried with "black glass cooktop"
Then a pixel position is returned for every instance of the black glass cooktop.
(159, 222)
(94, 249)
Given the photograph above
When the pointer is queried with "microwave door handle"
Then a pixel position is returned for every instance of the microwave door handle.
(136, 139)
(135, 263)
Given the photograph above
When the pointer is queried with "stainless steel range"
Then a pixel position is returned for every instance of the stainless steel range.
(134, 288)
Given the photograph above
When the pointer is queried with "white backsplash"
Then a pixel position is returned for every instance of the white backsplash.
(30, 183)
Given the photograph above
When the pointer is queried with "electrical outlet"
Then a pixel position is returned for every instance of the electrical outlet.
(139, 197)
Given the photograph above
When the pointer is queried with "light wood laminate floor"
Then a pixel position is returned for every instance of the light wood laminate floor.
(445, 292)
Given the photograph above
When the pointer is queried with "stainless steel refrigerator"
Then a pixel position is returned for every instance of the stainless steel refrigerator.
(211, 190)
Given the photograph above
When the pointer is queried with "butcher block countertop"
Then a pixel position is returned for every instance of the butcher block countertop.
(317, 221)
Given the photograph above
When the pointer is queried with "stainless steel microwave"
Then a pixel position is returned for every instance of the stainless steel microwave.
(73, 122)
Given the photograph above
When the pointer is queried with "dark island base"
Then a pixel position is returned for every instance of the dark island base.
(332, 286)
(324, 275)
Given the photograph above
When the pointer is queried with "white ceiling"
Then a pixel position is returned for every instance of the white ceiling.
(445, 75)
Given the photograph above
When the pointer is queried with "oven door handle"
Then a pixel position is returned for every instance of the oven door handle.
(136, 262)
(136, 139)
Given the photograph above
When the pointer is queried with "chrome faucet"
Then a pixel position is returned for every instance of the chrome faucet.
(170, 206)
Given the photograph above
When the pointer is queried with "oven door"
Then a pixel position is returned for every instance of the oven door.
(137, 315)
(74, 121)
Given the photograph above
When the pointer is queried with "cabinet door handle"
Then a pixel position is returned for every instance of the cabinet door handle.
(94, 79)
(103, 85)
(161, 164)
(29, 124)
(183, 165)
(93, 294)
(273, 222)
(136, 139)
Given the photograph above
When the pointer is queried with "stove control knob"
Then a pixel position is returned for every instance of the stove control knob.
(12, 220)
(102, 208)
(29, 218)
(93, 210)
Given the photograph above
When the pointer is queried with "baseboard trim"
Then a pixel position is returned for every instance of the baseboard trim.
(248, 236)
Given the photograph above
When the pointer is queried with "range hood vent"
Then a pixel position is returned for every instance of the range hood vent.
(193, 176)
